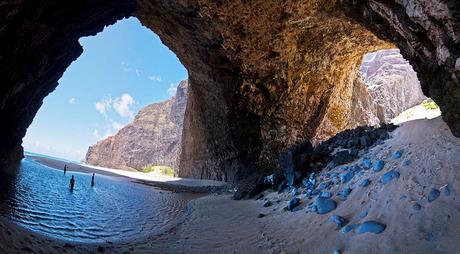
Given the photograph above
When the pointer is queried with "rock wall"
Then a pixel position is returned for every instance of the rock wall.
(154, 137)
(264, 75)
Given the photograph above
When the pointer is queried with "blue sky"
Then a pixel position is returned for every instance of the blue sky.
(121, 70)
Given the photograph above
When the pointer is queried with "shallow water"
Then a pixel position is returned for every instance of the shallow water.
(115, 209)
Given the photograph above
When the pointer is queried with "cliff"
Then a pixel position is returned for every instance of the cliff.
(154, 137)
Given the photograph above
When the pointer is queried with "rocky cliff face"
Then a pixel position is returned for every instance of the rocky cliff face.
(391, 82)
(265, 75)
(154, 137)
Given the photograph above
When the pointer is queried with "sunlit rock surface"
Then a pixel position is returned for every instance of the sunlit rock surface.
(392, 83)
(154, 137)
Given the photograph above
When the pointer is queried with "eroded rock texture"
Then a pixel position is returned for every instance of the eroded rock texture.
(264, 75)
(153, 138)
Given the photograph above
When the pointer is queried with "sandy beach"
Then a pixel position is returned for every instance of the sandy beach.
(152, 179)
(218, 224)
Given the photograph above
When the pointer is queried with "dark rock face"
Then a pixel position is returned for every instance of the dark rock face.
(264, 75)
(154, 137)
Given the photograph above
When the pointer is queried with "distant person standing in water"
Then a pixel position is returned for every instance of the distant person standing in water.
(65, 168)
(92, 180)
(72, 183)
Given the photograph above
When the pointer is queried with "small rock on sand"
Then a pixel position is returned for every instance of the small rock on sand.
(349, 228)
(406, 163)
(378, 165)
(372, 227)
(346, 177)
(365, 182)
(325, 205)
(338, 220)
(389, 176)
(433, 195)
(397, 154)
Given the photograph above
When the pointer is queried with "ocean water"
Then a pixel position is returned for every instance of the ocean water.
(115, 209)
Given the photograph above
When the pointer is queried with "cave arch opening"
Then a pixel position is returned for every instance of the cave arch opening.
(394, 89)
(121, 93)
(119, 106)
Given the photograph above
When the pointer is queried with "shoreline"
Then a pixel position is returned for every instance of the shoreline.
(173, 184)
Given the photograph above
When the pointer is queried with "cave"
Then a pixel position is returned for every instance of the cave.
(264, 76)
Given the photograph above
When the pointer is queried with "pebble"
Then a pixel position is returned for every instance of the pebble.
(429, 236)
(397, 154)
(323, 186)
(433, 195)
(367, 163)
(338, 220)
(268, 203)
(446, 190)
(346, 177)
(416, 206)
(372, 227)
(378, 165)
(261, 215)
(389, 176)
(325, 194)
(325, 205)
(294, 202)
(336, 252)
(349, 228)
(345, 192)
(406, 163)
(365, 183)
(362, 214)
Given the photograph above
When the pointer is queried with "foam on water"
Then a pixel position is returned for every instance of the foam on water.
(115, 209)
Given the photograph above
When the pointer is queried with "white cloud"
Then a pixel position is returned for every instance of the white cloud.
(117, 126)
(155, 78)
(124, 105)
(96, 134)
(172, 89)
(72, 100)
(138, 73)
(125, 67)
(103, 105)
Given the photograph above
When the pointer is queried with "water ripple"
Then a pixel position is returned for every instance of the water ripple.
(113, 210)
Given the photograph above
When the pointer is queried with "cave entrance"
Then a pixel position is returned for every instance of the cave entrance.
(394, 88)
(120, 105)
(118, 111)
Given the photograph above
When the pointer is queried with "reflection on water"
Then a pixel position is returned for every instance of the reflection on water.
(113, 210)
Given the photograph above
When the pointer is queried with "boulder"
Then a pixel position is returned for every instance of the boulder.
(325, 205)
